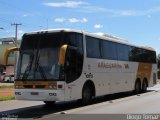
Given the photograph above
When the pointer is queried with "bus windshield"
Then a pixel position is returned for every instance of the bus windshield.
(38, 57)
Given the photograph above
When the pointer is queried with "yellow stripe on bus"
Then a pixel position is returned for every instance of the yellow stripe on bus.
(144, 71)
(35, 84)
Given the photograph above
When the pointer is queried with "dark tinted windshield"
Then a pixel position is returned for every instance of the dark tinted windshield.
(39, 55)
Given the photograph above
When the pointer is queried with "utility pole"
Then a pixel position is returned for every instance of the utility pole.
(16, 31)
(1, 28)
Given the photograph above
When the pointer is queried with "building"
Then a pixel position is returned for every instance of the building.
(6, 43)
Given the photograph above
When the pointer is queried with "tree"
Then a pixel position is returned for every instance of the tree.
(158, 61)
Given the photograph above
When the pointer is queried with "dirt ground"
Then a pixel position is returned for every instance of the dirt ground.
(6, 89)
(6, 92)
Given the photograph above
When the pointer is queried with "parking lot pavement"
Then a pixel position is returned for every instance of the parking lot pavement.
(155, 87)
(17, 104)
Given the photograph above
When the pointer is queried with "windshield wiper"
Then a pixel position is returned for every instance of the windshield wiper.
(39, 67)
(28, 68)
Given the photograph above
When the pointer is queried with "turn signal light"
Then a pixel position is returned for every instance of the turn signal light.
(60, 86)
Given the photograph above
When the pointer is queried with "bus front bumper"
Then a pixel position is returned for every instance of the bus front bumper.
(39, 95)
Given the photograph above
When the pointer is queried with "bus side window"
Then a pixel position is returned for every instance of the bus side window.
(123, 52)
(109, 50)
(93, 47)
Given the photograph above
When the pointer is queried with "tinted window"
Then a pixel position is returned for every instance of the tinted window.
(75, 39)
(109, 50)
(97, 48)
(148, 56)
(142, 55)
(39, 56)
(133, 54)
(74, 57)
(93, 49)
(122, 52)
(152, 57)
(41, 41)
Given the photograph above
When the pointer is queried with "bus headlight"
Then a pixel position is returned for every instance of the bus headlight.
(52, 86)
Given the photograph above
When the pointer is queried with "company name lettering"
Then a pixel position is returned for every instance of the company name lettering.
(112, 65)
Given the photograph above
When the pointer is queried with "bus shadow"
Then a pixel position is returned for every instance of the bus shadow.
(39, 111)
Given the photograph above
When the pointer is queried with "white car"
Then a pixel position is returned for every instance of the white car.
(8, 78)
(2, 76)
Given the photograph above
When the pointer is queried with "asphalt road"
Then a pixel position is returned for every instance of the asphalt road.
(140, 104)
(118, 104)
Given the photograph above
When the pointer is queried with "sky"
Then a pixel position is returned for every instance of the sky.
(138, 21)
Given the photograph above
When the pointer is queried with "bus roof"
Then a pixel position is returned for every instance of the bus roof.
(96, 35)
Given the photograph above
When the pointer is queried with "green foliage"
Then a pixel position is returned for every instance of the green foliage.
(158, 72)
(5, 86)
(158, 61)
(7, 98)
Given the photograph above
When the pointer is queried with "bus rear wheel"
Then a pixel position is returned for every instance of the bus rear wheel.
(137, 87)
(49, 103)
(86, 95)
(144, 86)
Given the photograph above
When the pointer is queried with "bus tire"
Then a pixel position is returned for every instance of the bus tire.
(86, 95)
(144, 86)
(49, 103)
(137, 87)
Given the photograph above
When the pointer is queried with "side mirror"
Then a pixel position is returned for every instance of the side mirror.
(62, 54)
(5, 57)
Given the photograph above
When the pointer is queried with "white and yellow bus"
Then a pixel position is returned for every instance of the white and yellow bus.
(64, 65)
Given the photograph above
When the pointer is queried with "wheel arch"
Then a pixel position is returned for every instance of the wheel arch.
(91, 84)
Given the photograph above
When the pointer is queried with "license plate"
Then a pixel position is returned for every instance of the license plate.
(34, 93)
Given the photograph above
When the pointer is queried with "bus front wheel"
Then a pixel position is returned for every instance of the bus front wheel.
(86, 95)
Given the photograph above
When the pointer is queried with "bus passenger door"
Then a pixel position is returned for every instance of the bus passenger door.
(73, 70)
